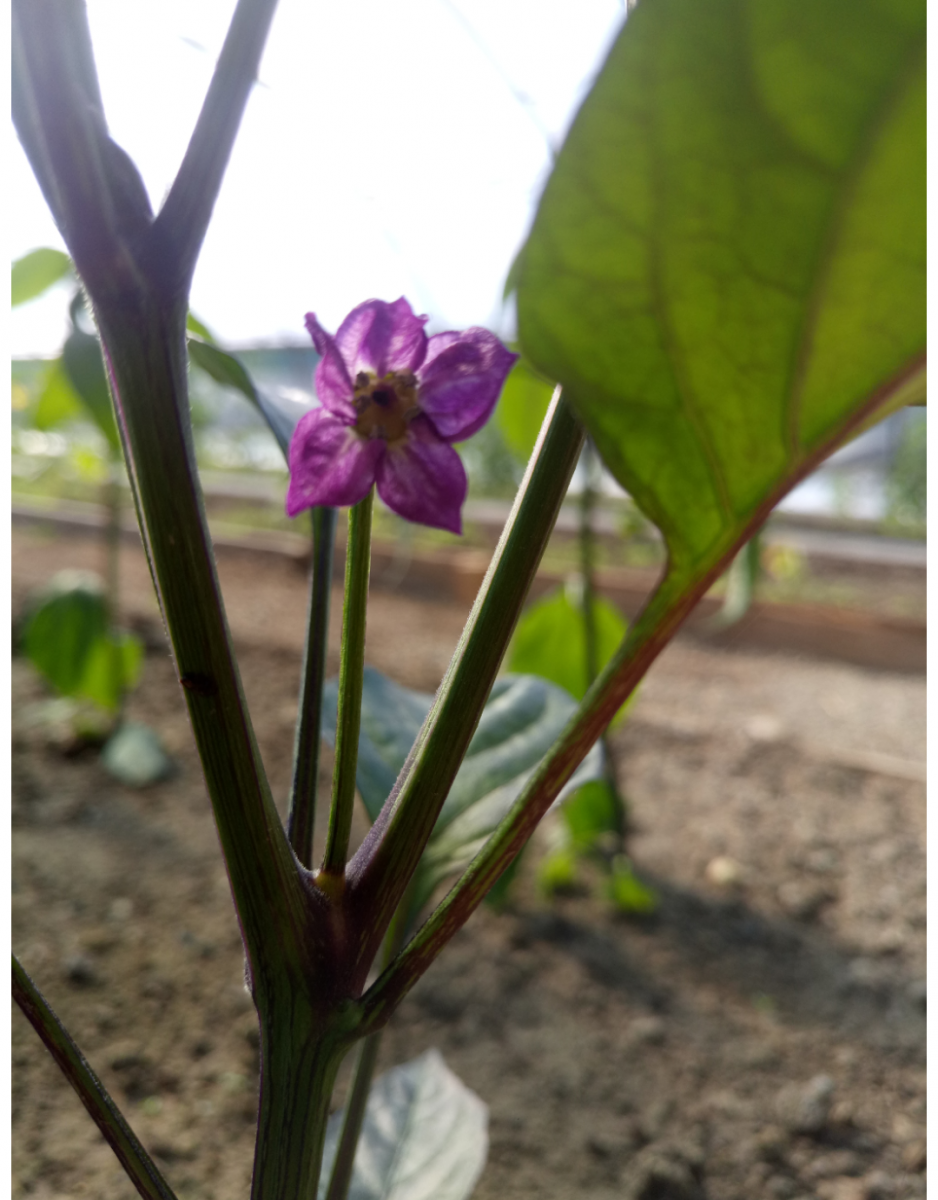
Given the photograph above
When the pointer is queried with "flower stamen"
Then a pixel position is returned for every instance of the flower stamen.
(385, 406)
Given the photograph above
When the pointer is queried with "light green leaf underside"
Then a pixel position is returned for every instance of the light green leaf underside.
(36, 272)
(522, 719)
(425, 1136)
(729, 259)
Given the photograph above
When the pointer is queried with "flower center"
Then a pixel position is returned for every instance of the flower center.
(385, 406)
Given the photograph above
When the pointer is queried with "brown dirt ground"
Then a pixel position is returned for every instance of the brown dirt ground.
(669, 1058)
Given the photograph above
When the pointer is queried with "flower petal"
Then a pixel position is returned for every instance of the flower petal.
(422, 479)
(460, 381)
(333, 383)
(329, 463)
(381, 337)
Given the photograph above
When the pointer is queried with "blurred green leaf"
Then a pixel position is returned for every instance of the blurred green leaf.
(425, 1136)
(58, 401)
(550, 640)
(727, 267)
(557, 871)
(88, 464)
(227, 370)
(522, 407)
(63, 627)
(194, 325)
(591, 812)
(497, 895)
(112, 668)
(36, 272)
(626, 890)
(81, 356)
(66, 638)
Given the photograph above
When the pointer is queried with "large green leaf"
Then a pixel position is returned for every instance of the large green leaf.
(522, 719)
(727, 267)
(425, 1136)
(36, 272)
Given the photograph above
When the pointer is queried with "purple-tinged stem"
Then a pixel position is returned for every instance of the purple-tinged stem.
(138, 1165)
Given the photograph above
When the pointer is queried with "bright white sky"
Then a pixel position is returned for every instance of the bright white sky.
(394, 147)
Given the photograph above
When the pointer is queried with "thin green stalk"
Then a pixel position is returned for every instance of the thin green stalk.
(587, 564)
(182, 221)
(143, 1172)
(355, 1107)
(590, 635)
(302, 815)
(364, 1070)
(383, 866)
(351, 673)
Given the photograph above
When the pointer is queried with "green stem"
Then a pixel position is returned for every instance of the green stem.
(365, 1063)
(145, 351)
(302, 815)
(355, 1107)
(587, 564)
(141, 1169)
(181, 224)
(351, 673)
(590, 636)
(381, 870)
(300, 1058)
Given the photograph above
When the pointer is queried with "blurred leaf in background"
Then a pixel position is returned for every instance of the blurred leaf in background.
(36, 272)
(550, 640)
(522, 407)
(907, 482)
(67, 639)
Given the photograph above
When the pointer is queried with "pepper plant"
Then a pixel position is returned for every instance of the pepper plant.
(725, 276)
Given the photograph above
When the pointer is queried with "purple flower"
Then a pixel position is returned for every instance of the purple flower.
(393, 401)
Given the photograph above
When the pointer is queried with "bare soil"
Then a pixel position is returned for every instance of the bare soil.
(762, 1035)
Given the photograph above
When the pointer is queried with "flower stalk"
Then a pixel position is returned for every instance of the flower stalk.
(301, 818)
(351, 675)
(382, 867)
